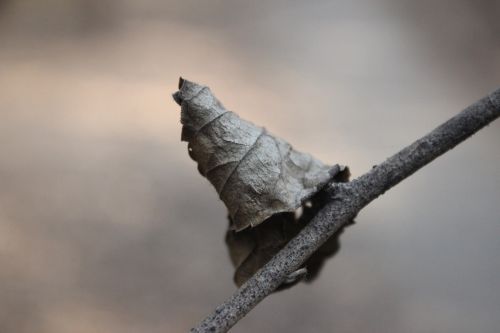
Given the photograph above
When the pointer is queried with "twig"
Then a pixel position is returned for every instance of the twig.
(347, 199)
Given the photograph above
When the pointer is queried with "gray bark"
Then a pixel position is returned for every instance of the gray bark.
(347, 199)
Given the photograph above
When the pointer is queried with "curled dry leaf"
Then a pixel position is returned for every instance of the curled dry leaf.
(256, 174)
(260, 178)
(251, 248)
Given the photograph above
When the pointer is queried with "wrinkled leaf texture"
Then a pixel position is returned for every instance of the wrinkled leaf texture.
(255, 173)
(259, 177)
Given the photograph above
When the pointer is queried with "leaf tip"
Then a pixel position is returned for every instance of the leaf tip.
(177, 95)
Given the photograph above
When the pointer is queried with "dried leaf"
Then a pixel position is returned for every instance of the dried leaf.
(252, 248)
(255, 174)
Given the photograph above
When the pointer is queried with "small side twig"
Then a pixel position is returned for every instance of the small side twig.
(347, 199)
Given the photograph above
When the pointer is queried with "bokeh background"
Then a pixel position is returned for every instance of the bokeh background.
(106, 225)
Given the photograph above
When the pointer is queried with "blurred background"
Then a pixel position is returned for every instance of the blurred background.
(106, 225)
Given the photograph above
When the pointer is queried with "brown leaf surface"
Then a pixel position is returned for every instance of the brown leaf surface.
(255, 174)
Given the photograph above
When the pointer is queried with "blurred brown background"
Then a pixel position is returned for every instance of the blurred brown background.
(106, 225)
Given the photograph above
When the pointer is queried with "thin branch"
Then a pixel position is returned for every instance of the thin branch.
(347, 199)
